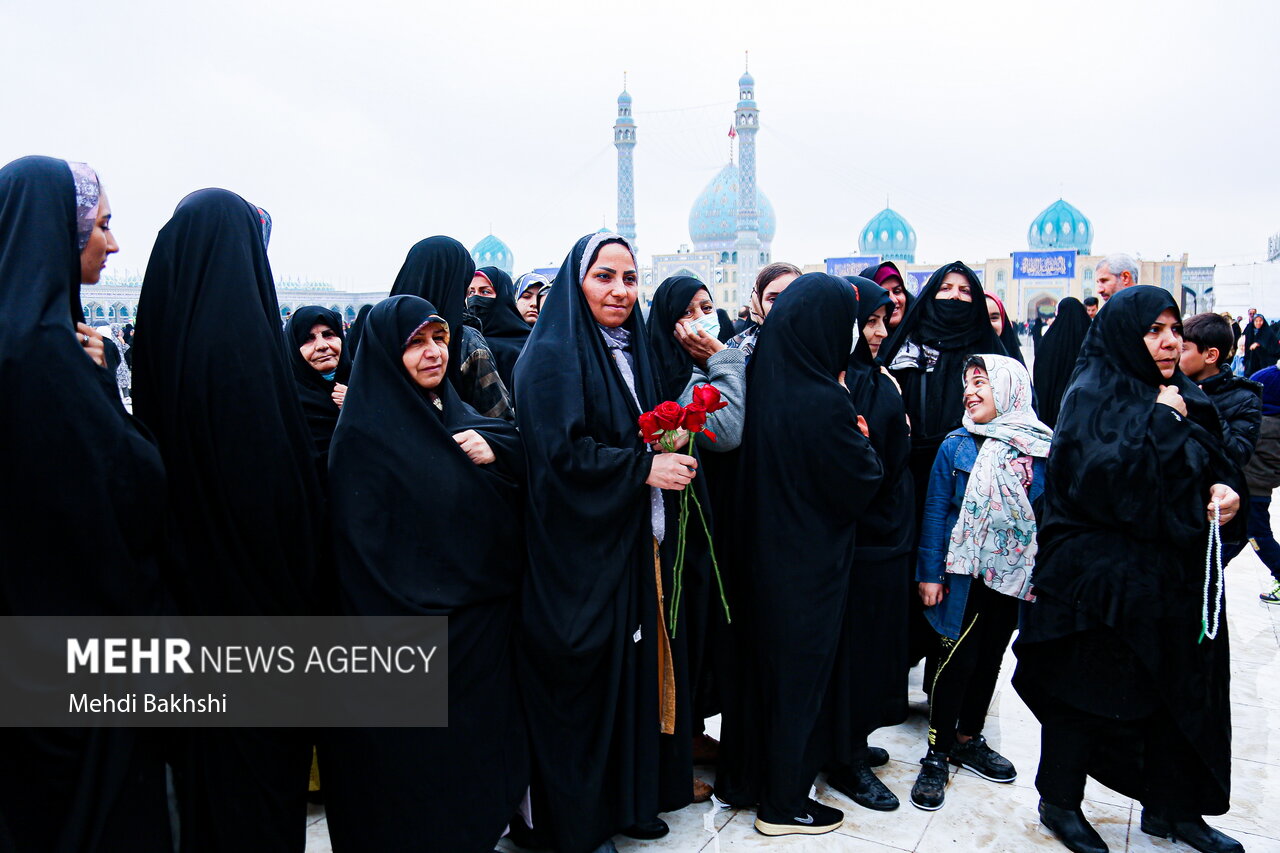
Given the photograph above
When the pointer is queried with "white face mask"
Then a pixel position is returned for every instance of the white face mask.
(708, 323)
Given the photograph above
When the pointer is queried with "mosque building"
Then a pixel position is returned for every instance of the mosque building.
(732, 227)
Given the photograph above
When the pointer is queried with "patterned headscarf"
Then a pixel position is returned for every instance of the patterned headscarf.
(88, 192)
(265, 219)
(995, 536)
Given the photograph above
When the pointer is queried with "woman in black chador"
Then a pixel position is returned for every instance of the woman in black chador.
(321, 370)
(1114, 658)
(410, 457)
(813, 474)
(597, 671)
(871, 686)
(212, 381)
(945, 325)
(505, 331)
(1056, 358)
(82, 526)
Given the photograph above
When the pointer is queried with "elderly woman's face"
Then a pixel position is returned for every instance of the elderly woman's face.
(426, 355)
(102, 243)
(612, 286)
(322, 348)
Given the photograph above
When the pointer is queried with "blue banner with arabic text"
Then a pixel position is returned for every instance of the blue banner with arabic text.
(1044, 264)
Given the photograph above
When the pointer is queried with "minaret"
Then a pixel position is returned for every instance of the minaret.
(624, 138)
(747, 122)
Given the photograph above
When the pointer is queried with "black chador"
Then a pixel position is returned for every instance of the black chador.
(404, 495)
(1110, 657)
(212, 381)
(592, 636)
(813, 474)
(82, 525)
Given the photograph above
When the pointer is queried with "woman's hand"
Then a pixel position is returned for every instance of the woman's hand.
(681, 439)
(1229, 502)
(1253, 346)
(672, 471)
(931, 593)
(862, 427)
(474, 445)
(699, 344)
(92, 343)
(1170, 396)
(340, 393)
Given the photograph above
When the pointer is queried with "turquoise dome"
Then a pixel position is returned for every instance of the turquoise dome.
(889, 236)
(713, 221)
(625, 97)
(492, 252)
(1060, 226)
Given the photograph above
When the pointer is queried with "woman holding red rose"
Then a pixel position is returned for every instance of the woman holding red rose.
(599, 675)
(813, 472)
(692, 363)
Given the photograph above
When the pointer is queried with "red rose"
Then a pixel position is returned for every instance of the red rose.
(649, 426)
(669, 415)
(708, 396)
(695, 417)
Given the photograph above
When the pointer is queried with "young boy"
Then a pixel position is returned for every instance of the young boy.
(1263, 475)
(1206, 344)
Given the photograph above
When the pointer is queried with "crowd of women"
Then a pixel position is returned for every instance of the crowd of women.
(884, 486)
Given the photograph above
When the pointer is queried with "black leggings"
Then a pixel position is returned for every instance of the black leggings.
(968, 667)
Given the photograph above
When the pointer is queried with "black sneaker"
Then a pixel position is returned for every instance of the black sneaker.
(816, 819)
(975, 755)
(862, 786)
(879, 757)
(930, 789)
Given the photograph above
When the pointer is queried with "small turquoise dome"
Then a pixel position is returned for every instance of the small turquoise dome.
(625, 97)
(889, 236)
(713, 221)
(492, 252)
(1060, 226)
(746, 81)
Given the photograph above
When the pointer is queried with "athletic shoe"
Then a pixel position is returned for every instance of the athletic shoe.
(862, 786)
(975, 755)
(816, 819)
(930, 788)
(879, 757)
(1272, 597)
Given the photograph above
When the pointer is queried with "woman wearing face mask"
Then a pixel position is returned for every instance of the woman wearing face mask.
(321, 370)
(82, 474)
(976, 558)
(1115, 658)
(409, 455)
(597, 673)
(870, 690)
(440, 270)
(682, 326)
(490, 298)
(888, 276)
(926, 354)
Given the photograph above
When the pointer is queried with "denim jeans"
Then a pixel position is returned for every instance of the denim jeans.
(1260, 537)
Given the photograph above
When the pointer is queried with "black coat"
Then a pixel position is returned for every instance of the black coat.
(1239, 402)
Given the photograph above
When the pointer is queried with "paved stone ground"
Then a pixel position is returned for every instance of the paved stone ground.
(983, 816)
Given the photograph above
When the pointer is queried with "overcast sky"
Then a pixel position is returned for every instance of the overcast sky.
(365, 126)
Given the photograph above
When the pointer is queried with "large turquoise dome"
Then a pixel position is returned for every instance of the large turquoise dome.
(1060, 226)
(492, 252)
(713, 221)
(889, 236)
